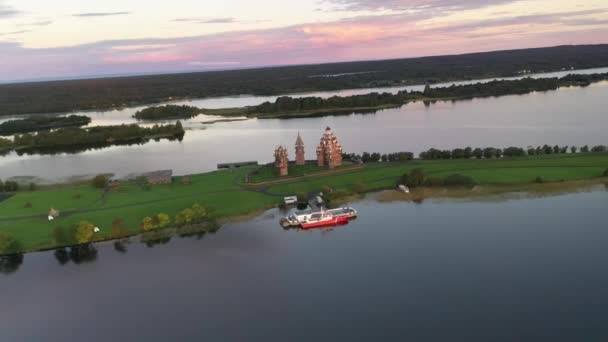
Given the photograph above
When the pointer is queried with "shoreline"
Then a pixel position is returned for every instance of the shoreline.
(486, 193)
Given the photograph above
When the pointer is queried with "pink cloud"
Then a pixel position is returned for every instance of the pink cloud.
(147, 58)
(371, 37)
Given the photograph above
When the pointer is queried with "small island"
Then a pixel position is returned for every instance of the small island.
(42, 123)
(76, 139)
(167, 112)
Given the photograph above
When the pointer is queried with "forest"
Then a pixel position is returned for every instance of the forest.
(167, 112)
(118, 92)
(42, 123)
(527, 85)
(95, 136)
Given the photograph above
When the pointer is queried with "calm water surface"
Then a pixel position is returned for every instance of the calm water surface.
(517, 270)
(575, 116)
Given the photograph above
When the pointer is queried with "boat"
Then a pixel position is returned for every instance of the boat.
(320, 218)
(323, 219)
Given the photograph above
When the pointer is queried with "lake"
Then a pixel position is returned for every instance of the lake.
(531, 269)
(570, 116)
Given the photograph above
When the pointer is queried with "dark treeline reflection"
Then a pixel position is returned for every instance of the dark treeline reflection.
(76, 254)
(75, 149)
(88, 253)
(10, 263)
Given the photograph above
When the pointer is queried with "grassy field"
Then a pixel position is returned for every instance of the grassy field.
(268, 172)
(23, 215)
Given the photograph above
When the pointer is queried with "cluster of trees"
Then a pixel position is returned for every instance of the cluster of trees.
(80, 233)
(5, 144)
(9, 186)
(167, 112)
(464, 91)
(190, 216)
(195, 215)
(375, 157)
(159, 221)
(8, 244)
(493, 152)
(100, 181)
(42, 123)
(102, 135)
(417, 178)
(290, 104)
(66, 96)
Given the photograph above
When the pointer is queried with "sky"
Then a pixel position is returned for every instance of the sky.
(74, 38)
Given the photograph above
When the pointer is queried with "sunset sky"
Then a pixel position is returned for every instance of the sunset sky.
(69, 38)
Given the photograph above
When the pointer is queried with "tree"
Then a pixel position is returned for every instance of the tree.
(8, 244)
(148, 224)
(556, 149)
(547, 149)
(531, 151)
(468, 153)
(10, 186)
(100, 181)
(573, 149)
(1, 186)
(489, 152)
(163, 220)
(59, 236)
(606, 173)
(599, 148)
(84, 232)
(478, 153)
(458, 153)
(585, 149)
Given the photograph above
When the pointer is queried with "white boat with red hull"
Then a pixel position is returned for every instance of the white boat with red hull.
(317, 219)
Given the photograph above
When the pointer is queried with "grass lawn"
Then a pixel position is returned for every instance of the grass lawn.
(23, 215)
(268, 172)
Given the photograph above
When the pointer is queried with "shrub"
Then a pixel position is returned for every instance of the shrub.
(433, 182)
(8, 244)
(539, 180)
(459, 180)
(606, 173)
(28, 205)
(59, 236)
(100, 181)
(84, 232)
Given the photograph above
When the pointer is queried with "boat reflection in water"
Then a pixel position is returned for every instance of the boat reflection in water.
(318, 219)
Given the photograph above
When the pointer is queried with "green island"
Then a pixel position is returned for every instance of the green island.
(286, 107)
(42, 123)
(133, 207)
(75, 139)
(167, 112)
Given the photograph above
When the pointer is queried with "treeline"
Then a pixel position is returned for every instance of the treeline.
(167, 112)
(102, 135)
(464, 91)
(108, 93)
(417, 178)
(375, 157)
(493, 152)
(42, 123)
